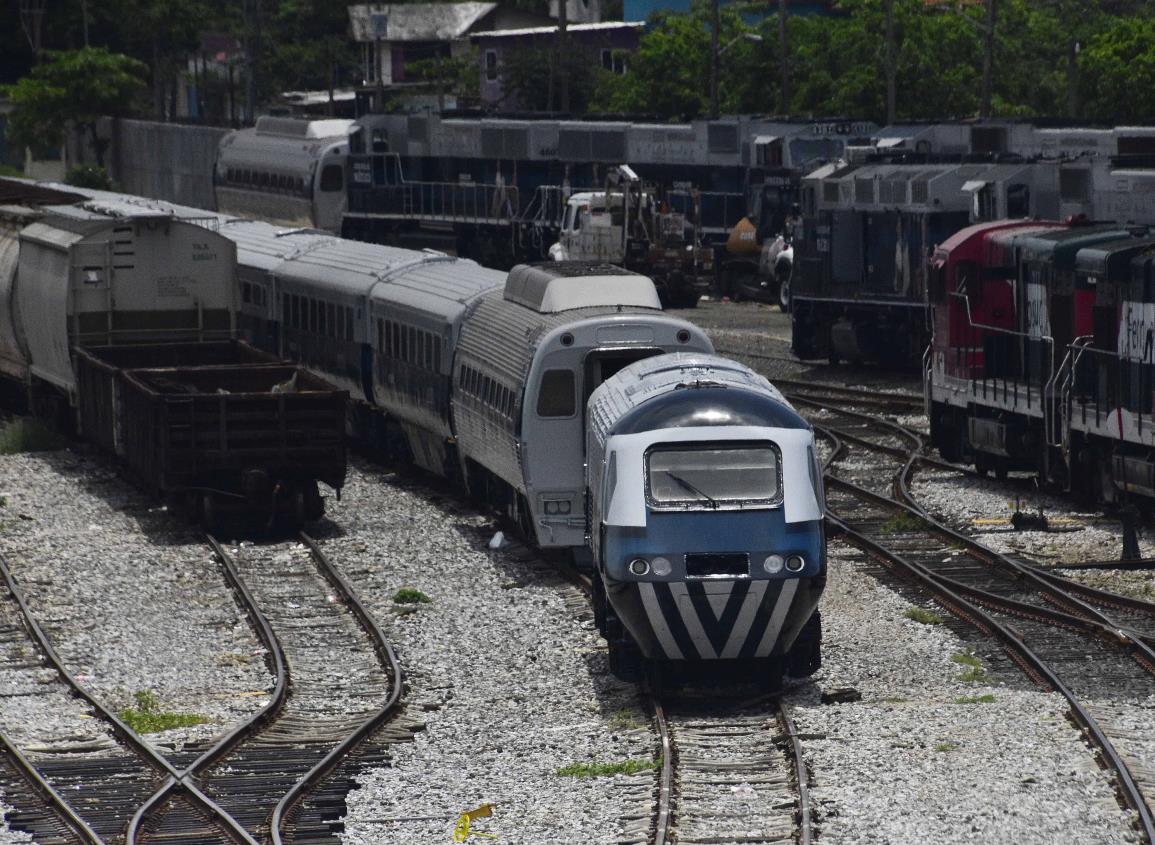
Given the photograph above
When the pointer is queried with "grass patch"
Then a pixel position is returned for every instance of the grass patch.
(148, 718)
(900, 523)
(408, 595)
(946, 746)
(601, 770)
(974, 667)
(923, 616)
(625, 719)
(9, 170)
(975, 699)
(27, 434)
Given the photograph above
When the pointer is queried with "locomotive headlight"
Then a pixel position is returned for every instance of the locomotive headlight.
(795, 563)
(639, 566)
(773, 564)
(661, 567)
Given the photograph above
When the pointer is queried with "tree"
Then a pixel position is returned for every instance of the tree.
(75, 89)
(1119, 70)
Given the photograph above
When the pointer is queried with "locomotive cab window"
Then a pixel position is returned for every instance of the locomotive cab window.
(699, 478)
(556, 396)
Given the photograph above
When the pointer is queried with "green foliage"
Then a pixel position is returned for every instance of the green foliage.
(598, 770)
(448, 75)
(1120, 67)
(900, 523)
(974, 671)
(525, 75)
(9, 170)
(408, 595)
(72, 88)
(946, 746)
(89, 176)
(147, 717)
(923, 616)
(28, 434)
(975, 699)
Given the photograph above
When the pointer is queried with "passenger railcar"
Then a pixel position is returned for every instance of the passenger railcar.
(706, 511)
(286, 170)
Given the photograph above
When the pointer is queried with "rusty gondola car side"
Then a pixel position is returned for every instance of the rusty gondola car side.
(253, 435)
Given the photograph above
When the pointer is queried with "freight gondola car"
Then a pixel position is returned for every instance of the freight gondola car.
(706, 516)
(196, 419)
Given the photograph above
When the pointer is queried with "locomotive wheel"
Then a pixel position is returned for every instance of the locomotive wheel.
(784, 297)
(208, 511)
(805, 656)
(625, 659)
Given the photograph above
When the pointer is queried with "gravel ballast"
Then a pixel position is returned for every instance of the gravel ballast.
(130, 597)
(922, 757)
(517, 686)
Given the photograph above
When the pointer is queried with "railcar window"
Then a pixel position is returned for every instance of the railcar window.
(332, 178)
(285, 309)
(412, 350)
(331, 319)
(381, 337)
(706, 478)
(437, 355)
(556, 395)
(349, 323)
(428, 350)
(246, 293)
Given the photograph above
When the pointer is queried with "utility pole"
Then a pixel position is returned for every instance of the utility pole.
(84, 16)
(988, 60)
(713, 58)
(562, 49)
(891, 64)
(784, 49)
(252, 13)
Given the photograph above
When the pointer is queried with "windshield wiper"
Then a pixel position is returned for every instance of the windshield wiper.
(686, 485)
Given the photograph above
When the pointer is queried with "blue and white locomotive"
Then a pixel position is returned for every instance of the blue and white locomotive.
(706, 511)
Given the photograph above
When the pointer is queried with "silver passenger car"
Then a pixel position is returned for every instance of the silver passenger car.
(529, 357)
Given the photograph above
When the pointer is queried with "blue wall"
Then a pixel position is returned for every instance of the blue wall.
(639, 10)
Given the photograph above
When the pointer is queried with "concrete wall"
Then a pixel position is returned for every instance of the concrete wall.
(164, 160)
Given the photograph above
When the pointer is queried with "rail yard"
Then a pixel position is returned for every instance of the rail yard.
(925, 723)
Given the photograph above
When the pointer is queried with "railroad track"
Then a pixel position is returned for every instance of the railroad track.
(730, 769)
(1057, 632)
(732, 776)
(280, 776)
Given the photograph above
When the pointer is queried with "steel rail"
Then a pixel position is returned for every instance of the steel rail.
(805, 828)
(59, 805)
(1054, 589)
(385, 654)
(242, 731)
(665, 777)
(127, 735)
(1022, 654)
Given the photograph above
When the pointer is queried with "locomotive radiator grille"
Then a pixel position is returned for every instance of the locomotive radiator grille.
(717, 565)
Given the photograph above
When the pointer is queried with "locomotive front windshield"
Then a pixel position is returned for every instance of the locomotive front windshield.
(705, 478)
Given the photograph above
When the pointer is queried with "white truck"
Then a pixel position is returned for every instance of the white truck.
(625, 224)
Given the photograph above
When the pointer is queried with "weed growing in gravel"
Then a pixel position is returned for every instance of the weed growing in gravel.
(598, 770)
(148, 718)
(28, 435)
(946, 746)
(408, 595)
(625, 720)
(899, 523)
(974, 671)
(922, 615)
(975, 699)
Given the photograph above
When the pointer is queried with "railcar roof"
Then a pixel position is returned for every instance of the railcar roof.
(1062, 245)
(1113, 258)
(962, 236)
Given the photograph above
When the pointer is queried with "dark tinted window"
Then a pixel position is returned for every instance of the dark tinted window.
(332, 177)
(556, 397)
